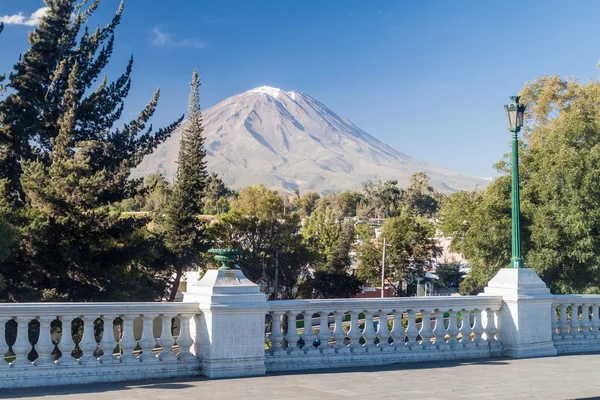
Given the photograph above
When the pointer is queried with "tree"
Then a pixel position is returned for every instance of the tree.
(449, 275)
(479, 224)
(39, 81)
(156, 194)
(63, 164)
(2, 76)
(330, 240)
(420, 195)
(307, 203)
(383, 199)
(560, 194)
(185, 234)
(216, 200)
(257, 226)
(410, 254)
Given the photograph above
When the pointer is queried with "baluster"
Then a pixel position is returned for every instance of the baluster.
(108, 342)
(491, 330)
(88, 343)
(586, 324)
(338, 332)
(465, 329)
(66, 344)
(44, 345)
(308, 336)
(452, 329)
(354, 333)
(128, 342)
(147, 341)
(184, 341)
(22, 347)
(3, 344)
(575, 323)
(555, 334)
(397, 332)
(425, 332)
(276, 335)
(411, 331)
(478, 329)
(383, 333)
(563, 322)
(324, 333)
(166, 339)
(439, 330)
(292, 337)
(595, 321)
(369, 333)
(195, 330)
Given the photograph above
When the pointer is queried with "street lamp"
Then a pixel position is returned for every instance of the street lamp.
(514, 113)
(383, 268)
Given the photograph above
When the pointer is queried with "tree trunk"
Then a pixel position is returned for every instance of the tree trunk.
(178, 274)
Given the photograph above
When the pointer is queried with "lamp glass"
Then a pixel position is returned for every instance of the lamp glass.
(511, 114)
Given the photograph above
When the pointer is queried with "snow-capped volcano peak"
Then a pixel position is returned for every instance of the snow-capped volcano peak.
(289, 140)
(268, 90)
(274, 92)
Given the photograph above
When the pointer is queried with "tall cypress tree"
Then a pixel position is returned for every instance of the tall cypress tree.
(63, 163)
(184, 231)
(2, 76)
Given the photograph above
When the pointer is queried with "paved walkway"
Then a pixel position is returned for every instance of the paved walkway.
(566, 377)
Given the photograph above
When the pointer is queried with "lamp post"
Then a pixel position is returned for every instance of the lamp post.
(514, 113)
(383, 269)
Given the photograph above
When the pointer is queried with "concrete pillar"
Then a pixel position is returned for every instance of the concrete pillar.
(230, 334)
(525, 323)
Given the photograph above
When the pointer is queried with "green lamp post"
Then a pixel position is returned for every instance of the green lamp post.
(514, 112)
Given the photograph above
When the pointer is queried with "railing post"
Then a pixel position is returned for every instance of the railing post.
(525, 323)
(230, 334)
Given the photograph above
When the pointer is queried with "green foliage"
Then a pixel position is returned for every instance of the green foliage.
(420, 195)
(449, 275)
(412, 247)
(560, 195)
(257, 226)
(330, 239)
(63, 164)
(307, 203)
(185, 235)
(217, 194)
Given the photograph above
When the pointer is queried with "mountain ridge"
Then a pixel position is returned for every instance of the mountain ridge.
(289, 140)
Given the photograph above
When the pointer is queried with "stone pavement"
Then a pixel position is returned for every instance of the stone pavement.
(564, 377)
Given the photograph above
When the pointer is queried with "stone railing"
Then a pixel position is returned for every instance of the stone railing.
(309, 334)
(576, 323)
(226, 328)
(71, 343)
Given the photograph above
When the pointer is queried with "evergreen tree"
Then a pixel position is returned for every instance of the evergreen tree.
(184, 232)
(63, 165)
(2, 76)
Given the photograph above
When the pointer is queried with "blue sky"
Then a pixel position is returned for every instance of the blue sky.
(427, 77)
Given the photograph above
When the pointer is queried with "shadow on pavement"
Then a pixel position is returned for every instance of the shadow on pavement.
(99, 388)
(399, 367)
(185, 383)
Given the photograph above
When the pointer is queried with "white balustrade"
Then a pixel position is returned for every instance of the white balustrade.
(97, 362)
(576, 323)
(361, 335)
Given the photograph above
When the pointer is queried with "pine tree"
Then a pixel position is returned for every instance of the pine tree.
(184, 232)
(64, 163)
(2, 76)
